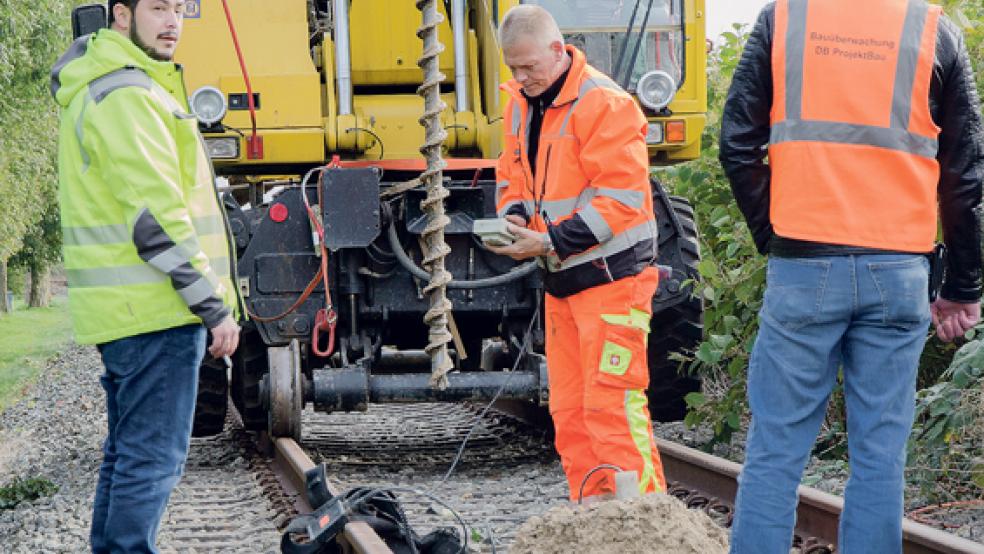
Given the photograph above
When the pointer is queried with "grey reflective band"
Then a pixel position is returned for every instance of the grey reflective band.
(101, 234)
(74, 52)
(567, 117)
(622, 241)
(563, 207)
(181, 115)
(198, 292)
(590, 83)
(126, 77)
(597, 224)
(220, 264)
(795, 49)
(208, 225)
(895, 137)
(499, 187)
(170, 259)
(847, 133)
(78, 133)
(630, 198)
(526, 132)
(213, 279)
(114, 276)
(515, 118)
(905, 74)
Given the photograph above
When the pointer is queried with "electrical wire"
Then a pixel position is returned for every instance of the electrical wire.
(382, 150)
(364, 496)
(595, 469)
(519, 357)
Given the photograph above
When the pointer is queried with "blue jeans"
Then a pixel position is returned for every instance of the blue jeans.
(867, 315)
(151, 381)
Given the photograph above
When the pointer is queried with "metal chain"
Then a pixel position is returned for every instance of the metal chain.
(433, 205)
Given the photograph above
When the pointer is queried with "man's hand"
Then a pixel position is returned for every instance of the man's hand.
(225, 338)
(528, 244)
(953, 319)
(516, 220)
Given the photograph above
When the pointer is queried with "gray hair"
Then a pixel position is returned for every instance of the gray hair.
(528, 22)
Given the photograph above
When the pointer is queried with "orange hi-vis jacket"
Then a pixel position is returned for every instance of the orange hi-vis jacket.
(591, 180)
(853, 144)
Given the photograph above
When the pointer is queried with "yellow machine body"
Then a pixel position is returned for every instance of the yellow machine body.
(290, 58)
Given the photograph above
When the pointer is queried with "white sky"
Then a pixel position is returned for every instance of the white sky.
(722, 13)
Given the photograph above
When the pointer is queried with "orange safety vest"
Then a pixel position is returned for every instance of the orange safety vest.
(853, 143)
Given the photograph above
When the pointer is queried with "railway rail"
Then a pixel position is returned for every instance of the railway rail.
(700, 480)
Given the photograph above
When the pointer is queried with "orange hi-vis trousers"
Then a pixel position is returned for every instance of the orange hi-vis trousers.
(596, 363)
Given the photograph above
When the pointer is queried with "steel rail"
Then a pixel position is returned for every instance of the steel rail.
(289, 464)
(818, 512)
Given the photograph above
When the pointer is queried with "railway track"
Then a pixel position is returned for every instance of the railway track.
(700, 480)
(236, 499)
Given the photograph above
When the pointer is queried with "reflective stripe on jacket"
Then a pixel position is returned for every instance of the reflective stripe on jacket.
(145, 240)
(853, 145)
(592, 179)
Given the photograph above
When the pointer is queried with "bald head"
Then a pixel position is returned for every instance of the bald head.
(528, 22)
(533, 48)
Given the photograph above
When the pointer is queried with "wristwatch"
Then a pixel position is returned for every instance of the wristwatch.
(548, 247)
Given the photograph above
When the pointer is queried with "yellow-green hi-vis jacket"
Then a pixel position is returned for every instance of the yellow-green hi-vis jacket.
(145, 239)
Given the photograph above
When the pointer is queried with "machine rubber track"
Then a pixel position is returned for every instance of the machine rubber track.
(678, 320)
(212, 399)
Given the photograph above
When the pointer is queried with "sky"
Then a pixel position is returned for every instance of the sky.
(722, 13)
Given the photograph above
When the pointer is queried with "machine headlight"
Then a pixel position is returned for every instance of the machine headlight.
(222, 148)
(654, 133)
(209, 105)
(656, 89)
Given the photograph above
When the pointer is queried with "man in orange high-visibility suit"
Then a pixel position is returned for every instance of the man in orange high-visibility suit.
(573, 180)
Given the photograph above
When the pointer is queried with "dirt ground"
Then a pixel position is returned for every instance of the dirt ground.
(653, 523)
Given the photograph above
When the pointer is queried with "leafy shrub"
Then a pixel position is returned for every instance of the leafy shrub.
(25, 490)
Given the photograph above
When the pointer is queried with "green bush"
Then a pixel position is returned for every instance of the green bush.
(25, 490)
(732, 271)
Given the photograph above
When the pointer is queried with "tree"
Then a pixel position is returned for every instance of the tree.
(32, 34)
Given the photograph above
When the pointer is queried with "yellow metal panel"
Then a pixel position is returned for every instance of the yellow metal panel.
(396, 125)
(385, 47)
(274, 40)
(692, 96)
(282, 146)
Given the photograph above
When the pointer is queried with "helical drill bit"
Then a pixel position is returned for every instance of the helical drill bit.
(433, 205)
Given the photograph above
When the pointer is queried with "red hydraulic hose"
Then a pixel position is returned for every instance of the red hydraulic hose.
(254, 149)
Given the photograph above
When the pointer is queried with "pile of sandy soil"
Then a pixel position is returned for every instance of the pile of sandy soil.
(653, 523)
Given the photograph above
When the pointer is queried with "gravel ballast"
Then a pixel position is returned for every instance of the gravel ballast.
(55, 432)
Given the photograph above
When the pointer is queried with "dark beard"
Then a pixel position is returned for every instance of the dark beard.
(149, 50)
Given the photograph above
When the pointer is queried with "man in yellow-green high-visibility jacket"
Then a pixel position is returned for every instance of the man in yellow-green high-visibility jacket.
(147, 255)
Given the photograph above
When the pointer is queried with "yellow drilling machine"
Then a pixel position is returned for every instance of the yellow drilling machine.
(355, 143)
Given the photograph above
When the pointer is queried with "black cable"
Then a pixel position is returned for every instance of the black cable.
(408, 264)
(580, 491)
(635, 51)
(625, 42)
(382, 150)
(364, 497)
(519, 357)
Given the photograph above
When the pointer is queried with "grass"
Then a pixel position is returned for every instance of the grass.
(28, 339)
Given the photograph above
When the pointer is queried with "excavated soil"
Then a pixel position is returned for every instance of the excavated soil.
(653, 523)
